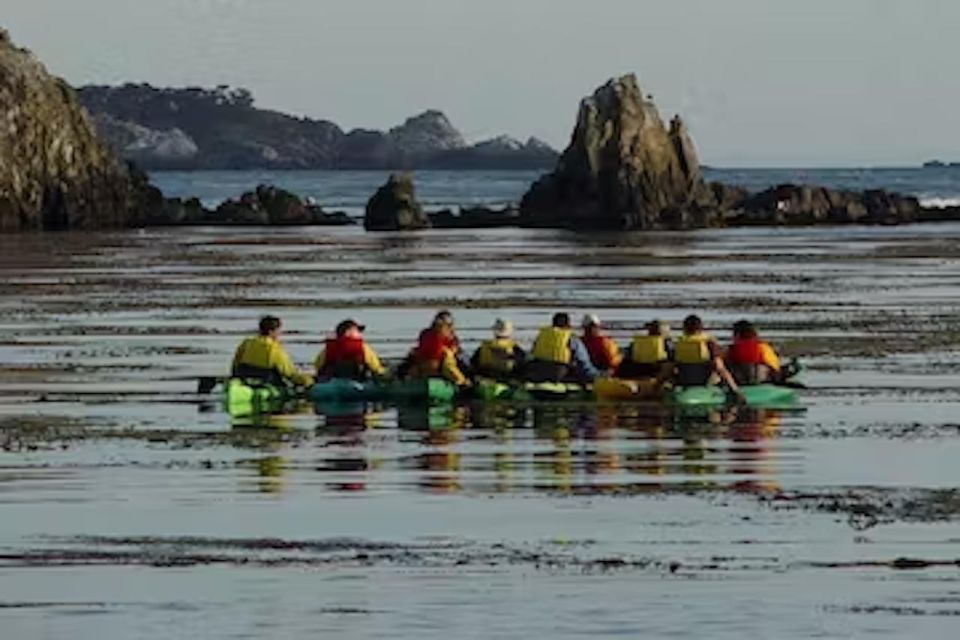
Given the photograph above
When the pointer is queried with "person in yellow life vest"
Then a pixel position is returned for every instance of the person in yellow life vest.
(346, 355)
(262, 358)
(603, 351)
(650, 355)
(435, 357)
(558, 355)
(699, 359)
(500, 358)
(750, 359)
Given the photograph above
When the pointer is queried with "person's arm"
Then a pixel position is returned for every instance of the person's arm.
(321, 360)
(614, 356)
(450, 370)
(237, 358)
(716, 354)
(770, 357)
(581, 359)
(287, 370)
(372, 361)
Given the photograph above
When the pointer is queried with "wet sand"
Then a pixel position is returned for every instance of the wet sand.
(134, 508)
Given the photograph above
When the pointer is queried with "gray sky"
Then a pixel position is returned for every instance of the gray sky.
(760, 82)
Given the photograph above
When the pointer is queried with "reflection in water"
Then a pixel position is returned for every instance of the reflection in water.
(548, 448)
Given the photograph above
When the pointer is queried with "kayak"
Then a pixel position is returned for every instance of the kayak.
(430, 391)
(494, 390)
(620, 389)
(243, 399)
(760, 395)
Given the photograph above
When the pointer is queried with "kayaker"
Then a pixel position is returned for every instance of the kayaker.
(650, 355)
(501, 357)
(603, 351)
(263, 358)
(347, 355)
(558, 355)
(699, 358)
(750, 359)
(434, 357)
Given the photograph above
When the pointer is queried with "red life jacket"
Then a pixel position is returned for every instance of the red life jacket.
(745, 352)
(343, 349)
(431, 345)
(599, 354)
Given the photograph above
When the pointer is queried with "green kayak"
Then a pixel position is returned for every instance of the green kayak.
(761, 395)
(430, 391)
(244, 399)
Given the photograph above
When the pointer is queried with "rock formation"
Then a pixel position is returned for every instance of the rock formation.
(394, 207)
(622, 169)
(195, 128)
(54, 172)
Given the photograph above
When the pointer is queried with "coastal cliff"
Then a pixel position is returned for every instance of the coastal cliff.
(221, 128)
(55, 173)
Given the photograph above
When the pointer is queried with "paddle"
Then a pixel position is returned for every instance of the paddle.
(207, 384)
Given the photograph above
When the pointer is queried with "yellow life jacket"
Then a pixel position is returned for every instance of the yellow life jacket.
(693, 349)
(552, 345)
(648, 350)
(497, 355)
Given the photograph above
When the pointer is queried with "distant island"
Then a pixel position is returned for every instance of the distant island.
(195, 128)
(940, 164)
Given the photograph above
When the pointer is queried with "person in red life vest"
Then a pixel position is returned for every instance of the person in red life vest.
(434, 356)
(750, 359)
(346, 355)
(604, 352)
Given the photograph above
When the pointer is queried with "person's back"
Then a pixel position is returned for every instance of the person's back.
(750, 359)
(557, 355)
(648, 356)
(500, 357)
(696, 354)
(434, 356)
(348, 356)
(603, 351)
(261, 358)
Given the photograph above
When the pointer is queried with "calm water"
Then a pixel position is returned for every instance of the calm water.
(349, 190)
(133, 508)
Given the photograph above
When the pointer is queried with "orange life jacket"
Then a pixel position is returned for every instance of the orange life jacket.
(746, 352)
(599, 353)
(343, 355)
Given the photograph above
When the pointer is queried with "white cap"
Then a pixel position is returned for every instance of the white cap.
(591, 320)
(502, 328)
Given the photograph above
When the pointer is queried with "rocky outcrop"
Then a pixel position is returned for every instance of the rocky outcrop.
(622, 169)
(475, 218)
(220, 128)
(807, 205)
(502, 152)
(55, 173)
(394, 207)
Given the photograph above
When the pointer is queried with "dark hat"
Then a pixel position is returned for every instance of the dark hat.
(346, 325)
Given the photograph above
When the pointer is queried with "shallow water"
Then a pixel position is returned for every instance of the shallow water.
(132, 507)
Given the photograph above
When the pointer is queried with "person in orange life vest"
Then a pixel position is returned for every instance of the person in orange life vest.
(699, 359)
(604, 352)
(445, 319)
(435, 357)
(263, 358)
(750, 359)
(650, 355)
(346, 355)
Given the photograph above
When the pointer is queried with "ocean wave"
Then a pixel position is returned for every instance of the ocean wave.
(936, 202)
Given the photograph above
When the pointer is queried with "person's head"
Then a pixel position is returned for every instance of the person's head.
(692, 325)
(443, 317)
(658, 328)
(744, 330)
(590, 324)
(270, 326)
(502, 328)
(350, 329)
(561, 320)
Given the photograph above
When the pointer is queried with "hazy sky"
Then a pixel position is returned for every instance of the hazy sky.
(760, 82)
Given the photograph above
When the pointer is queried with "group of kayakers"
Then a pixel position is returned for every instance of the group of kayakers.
(558, 354)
